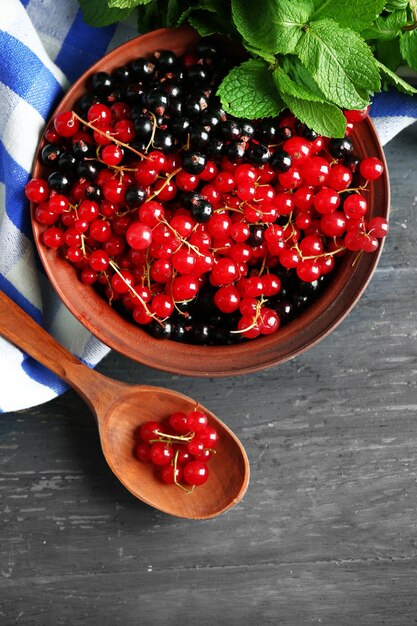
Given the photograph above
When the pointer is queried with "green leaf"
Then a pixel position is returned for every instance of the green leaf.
(126, 4)
(173, 13)
(387, 27)
(274, 26)
(388, 52)
(249, 91)
(408, 47)
(300, 74)
(394, 5)
(325, 118)
(354, 14)
(340, 62)
(394, 79)
(257, 52)
(98, 13)
(205, 23)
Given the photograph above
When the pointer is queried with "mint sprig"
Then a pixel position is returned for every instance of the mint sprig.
(315, 57)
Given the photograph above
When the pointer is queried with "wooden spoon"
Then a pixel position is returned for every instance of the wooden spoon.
(120, 409)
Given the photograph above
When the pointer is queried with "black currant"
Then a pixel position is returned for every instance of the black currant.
(157, 101)
(340, 148)
(101, 83)
(267, 132)
(68, 162)
(81, 149)
(281, 160)
(122, 74)
(352, 162)
(248, 130)
(165, 60)
(135, 195)
(164, 140)
(214, 148)
(199, 136)
(230, 130)
(284, 133)
(235, 151)
(143, 126)
(194, 162)
(142, 69)
(88, 169)
(199, 207)
(197, 75)
(51, 153)
(258, 153)
(159, 329)
(180, 127)
(93, 192)
(256, 236)
(59, 182)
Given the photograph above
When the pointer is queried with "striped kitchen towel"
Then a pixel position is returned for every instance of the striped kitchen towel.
(44, 47)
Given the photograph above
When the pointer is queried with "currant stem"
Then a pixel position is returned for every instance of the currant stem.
(113, 139)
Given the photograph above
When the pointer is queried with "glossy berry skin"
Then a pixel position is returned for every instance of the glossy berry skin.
(66, 124)
(139, 236)
(326, 200)
(161, 453)
(195, 473)
(371, 168)
(37, 190)
(203, 227)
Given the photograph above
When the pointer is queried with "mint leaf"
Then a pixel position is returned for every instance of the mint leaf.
(98, 13)
(393, 5)
(127, 4)
(249, 91)
(340, 62)
(408, 47)
(205, 23)
(325, 118)
(394, 79)
(300, 74)
(387, 27)
(173, 13)
(354, 14)
(274, 26)
(257, 52)
(388, 52)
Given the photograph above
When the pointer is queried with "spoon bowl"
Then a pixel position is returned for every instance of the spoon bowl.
(120, 409)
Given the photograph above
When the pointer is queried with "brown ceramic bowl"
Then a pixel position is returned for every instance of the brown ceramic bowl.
(345, 288)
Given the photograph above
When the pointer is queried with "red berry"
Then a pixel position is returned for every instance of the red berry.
(149, 430)
(227, 299)
(66, 124)
(179, 422)
(355, 206)
(139, 236)
(197, 421)
(378, 226)
(326, 200)
(53, 237)
(37, 190)
(169, 475)
(161, 453)
(195, 473)
(371, 168)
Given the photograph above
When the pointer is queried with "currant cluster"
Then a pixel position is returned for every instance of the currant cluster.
(180, 449)
(198, 226)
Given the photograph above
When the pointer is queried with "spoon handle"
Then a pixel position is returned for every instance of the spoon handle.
(21, 330)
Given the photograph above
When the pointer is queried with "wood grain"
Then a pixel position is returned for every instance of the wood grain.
(327, 533)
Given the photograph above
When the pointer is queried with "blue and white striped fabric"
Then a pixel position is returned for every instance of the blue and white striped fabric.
(44, 47)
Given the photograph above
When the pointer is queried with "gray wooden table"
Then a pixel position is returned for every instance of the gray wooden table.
(327, 533)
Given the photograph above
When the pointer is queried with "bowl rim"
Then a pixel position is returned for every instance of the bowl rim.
(294, 338)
